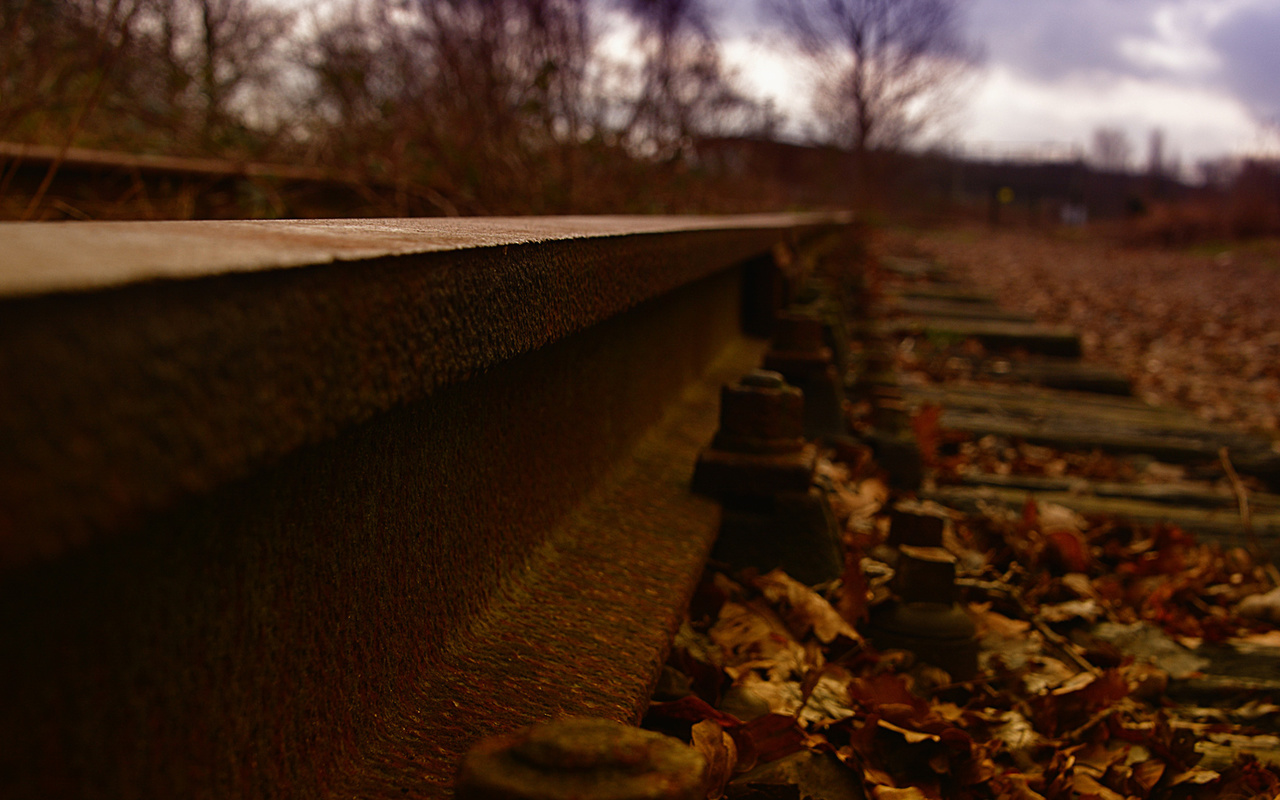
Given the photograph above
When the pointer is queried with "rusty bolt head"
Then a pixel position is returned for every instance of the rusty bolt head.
(927, 621)
(763, 379)
(879, 360)
(761, 413)
(890, 417)
(926, 575)
(882, 394)
(581, 759)
(798, 333)
(915, 530)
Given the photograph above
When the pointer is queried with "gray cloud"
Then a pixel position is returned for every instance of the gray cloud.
(1249, 45)
(1203, 72)
(1052, 39)
(1046, 39)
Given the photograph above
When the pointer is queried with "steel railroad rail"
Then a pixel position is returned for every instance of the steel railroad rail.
(301, 509)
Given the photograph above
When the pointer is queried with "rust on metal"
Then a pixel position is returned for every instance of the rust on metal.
(722, 472)
(915, 530)
(581, 759)
(116, 401)
(80, 256)
(760, 413)
(310, 511)
(924, 617)
(800, 353)
(759, 447)
(760, 466)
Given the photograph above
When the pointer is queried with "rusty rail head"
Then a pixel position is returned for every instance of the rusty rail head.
(144, 362)
(266, 530)
(41, 258)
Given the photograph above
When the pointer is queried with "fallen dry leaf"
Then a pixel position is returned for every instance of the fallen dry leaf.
(1147, 774)
(1206, 335)
(1085, 785)
(721, 754)
(851, 502)
(989, 621)
(753, 637)
(912, 737)
(1087, 610)
(803, 609)
(924, 424)
(1016, 733)
(1076, 683)
(1013, 786)
(1261, 606)
(1079, 583)
(1055, 517)
(827, 702)
(1060, 709)
(1196, 776)
(889, 793)
(769, 738)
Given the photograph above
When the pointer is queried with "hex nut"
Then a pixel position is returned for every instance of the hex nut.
(926, 619)
(915, 530)
(581, 759)
(761, 413)
(926, 575)
(799, 333)
(763, 379)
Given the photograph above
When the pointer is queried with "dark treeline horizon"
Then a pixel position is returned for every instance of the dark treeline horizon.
(491, 106)
(480, 106)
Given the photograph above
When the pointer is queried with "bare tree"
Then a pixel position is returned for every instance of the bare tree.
(169, 75)
(1157, 161)
(58, 60)
(683, 91)
(885, 63)
(1111, 149)
(213, 64)
(481, 98)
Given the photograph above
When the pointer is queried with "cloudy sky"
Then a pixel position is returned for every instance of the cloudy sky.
(1207, 72)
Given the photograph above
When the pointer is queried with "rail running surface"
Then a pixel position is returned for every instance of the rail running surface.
(82, 256)
(181, 355)
(300, 508)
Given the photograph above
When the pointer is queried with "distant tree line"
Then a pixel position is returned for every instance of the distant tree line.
(486, 106)
(494, 105)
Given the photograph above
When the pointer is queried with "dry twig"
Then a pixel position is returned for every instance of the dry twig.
(1057, 640)
(1242, 499)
